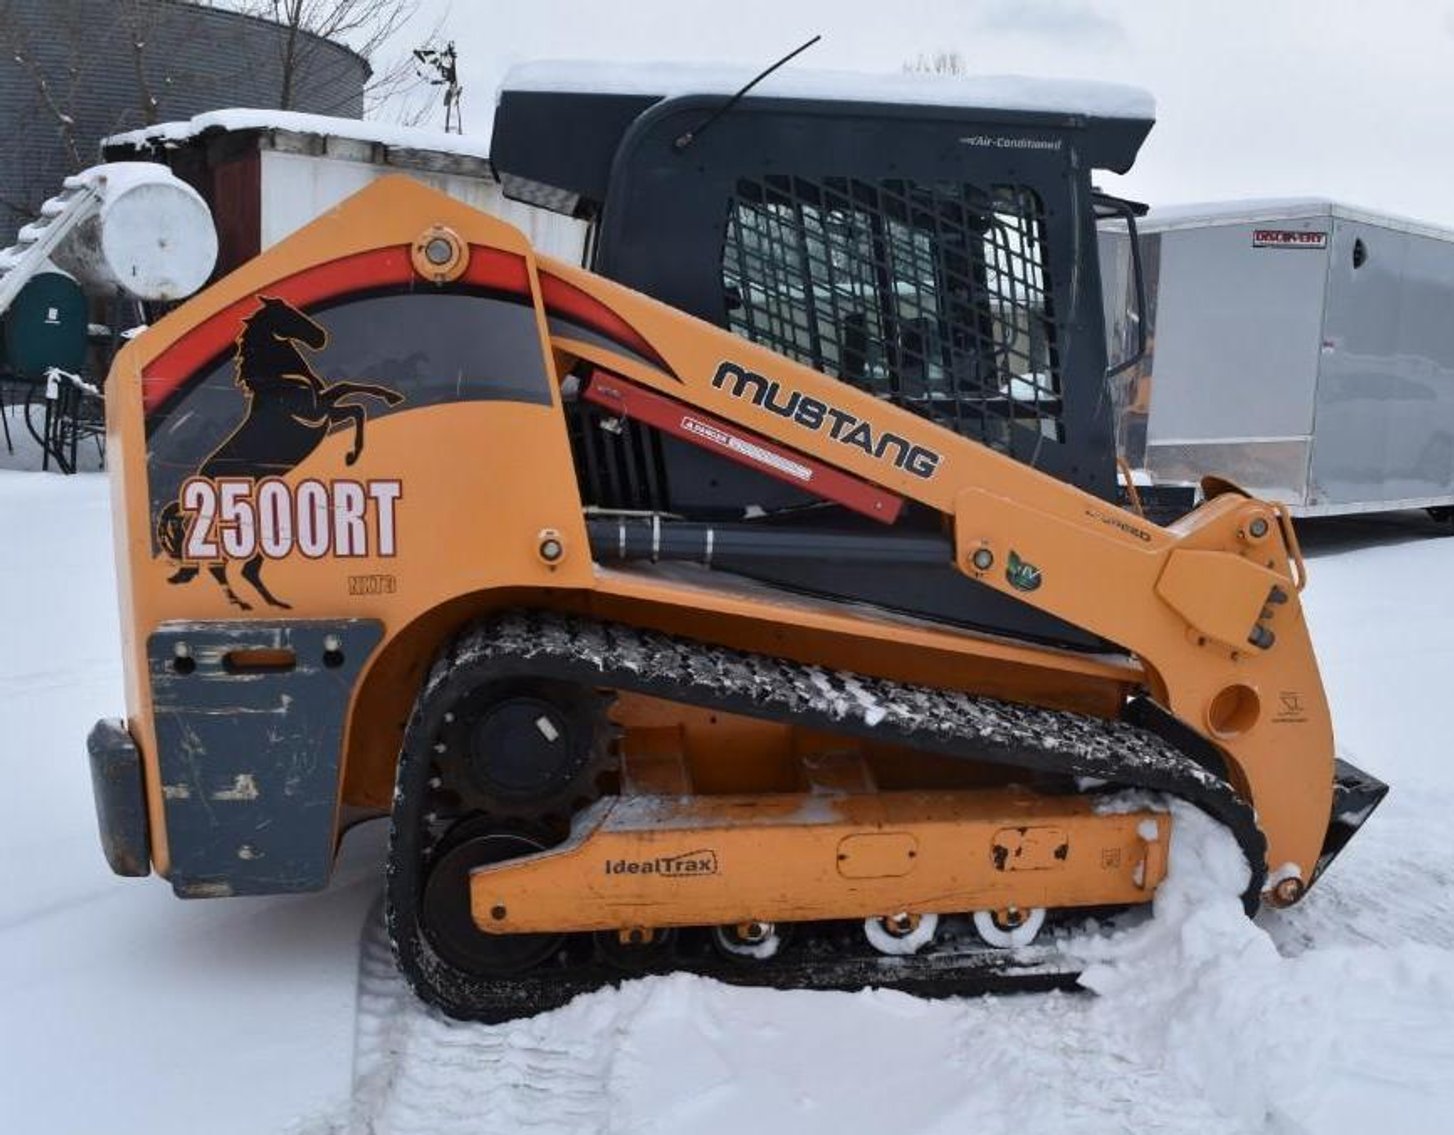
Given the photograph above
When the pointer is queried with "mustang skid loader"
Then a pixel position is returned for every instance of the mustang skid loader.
(376, 557)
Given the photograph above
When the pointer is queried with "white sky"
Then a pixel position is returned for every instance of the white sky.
(1256, 98)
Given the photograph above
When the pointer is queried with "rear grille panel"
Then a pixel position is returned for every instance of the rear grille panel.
(618, 468)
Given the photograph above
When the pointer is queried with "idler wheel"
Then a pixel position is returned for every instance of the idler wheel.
(445, 907)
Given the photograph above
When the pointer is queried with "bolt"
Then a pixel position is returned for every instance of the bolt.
(551, 550)
(497, 913)
(439, 251)
(1288, 891)
(1258, 527)
(983, 559)
(902, 924)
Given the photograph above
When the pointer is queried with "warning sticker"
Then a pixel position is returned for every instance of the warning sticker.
(1288, 238)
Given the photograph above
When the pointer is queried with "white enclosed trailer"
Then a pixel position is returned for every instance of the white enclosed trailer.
(1301, 349)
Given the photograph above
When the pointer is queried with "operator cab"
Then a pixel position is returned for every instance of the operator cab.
(931, 240)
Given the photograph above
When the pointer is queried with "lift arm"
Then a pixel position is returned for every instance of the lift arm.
(1209, 605)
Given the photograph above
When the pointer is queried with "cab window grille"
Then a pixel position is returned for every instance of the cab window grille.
(936, 297)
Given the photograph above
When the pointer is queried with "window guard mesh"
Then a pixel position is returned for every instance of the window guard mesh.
(936, 297)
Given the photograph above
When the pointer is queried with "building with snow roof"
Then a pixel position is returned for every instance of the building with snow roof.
(266, 173)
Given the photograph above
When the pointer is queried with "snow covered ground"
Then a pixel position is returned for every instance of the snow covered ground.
(124, 1010)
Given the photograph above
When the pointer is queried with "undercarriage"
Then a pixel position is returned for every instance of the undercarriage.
(516, 884)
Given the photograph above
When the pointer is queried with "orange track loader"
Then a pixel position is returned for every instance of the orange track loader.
(360, 577)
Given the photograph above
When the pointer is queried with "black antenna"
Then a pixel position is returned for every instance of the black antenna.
(692, 135)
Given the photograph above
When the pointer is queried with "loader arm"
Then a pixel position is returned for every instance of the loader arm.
(1209, 606)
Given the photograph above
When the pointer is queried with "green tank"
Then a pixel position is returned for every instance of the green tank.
(46, 326)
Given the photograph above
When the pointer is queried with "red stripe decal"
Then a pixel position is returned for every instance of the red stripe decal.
(379, 267)
(569, 302)
(742, 446)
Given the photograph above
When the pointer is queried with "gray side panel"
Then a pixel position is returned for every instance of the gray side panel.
(250, 757)
(1385, 405)
(1236, 346)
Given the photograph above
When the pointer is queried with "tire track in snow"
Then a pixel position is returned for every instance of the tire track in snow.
(416, 1071)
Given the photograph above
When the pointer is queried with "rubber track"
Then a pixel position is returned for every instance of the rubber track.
(952, 723)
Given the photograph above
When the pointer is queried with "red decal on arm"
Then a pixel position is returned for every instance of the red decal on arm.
(742, 446)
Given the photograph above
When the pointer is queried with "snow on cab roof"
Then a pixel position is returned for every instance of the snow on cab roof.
(167, 134)
(988, 92)
(1256, 210)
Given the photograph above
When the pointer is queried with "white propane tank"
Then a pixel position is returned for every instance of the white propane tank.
(152, 235)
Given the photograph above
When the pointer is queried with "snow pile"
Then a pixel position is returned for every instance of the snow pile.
(1282, 1043)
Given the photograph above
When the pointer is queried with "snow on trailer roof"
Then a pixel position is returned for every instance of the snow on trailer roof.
(165, 135)
(988, 92)
(1257, 210)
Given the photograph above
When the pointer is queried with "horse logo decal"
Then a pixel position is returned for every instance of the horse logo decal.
(236, 507)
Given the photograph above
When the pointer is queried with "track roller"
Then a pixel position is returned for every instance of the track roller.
(1009, 929)
(900, 934)
(637, 950)
(749, 941)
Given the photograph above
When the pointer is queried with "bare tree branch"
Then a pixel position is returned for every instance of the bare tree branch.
(364, 26)
(15, 37)
(139, 20)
